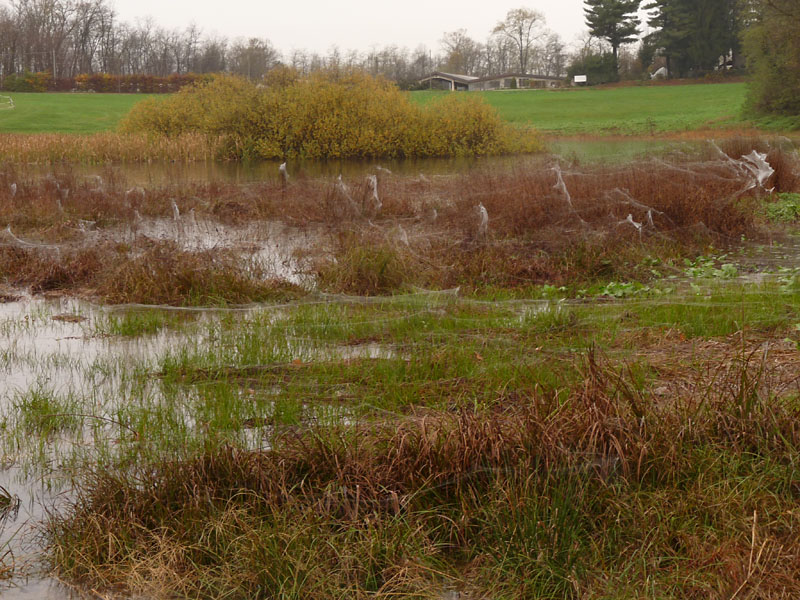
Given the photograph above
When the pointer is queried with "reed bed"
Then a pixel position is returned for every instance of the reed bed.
(104, 148)
(150, 272)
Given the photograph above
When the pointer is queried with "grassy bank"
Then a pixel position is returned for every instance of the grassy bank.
(66, 113)
(628, 110)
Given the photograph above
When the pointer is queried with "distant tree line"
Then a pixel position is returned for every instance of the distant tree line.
(82, 44)
(42, 81)
(68, 38)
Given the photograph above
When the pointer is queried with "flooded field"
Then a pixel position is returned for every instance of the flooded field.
(478, 316)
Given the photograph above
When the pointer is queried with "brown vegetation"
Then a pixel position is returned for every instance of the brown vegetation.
(546, 223)
(103, 148)
(149, 272)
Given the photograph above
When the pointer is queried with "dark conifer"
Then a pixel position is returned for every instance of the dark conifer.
(615, 21)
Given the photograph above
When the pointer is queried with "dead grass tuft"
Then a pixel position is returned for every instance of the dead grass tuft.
(148, 273)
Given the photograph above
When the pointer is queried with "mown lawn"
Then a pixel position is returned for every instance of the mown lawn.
(66, 113)
(629, 110)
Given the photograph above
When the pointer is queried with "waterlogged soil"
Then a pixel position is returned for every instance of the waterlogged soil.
(68, 375)
(50, 346)
(77, 379)
(274, 246)
(72, 352)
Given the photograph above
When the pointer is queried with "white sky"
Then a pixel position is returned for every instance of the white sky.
(318, 25)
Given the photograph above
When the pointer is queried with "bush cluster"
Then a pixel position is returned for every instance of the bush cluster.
(328, 116)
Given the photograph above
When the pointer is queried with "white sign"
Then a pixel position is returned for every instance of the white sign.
(581, 79)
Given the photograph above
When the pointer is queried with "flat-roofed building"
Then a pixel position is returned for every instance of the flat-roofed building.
(508, 81)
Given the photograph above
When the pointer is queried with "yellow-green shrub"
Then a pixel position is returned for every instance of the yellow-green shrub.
(462, 125)
(327, 115)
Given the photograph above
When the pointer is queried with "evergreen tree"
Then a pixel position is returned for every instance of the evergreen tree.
(615, 21)
(694, 34)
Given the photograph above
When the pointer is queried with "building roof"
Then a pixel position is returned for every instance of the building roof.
(520, 75)
(453, 76)
(466, 79)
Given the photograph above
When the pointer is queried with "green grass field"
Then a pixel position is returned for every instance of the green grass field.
(629, 110)
(626, 111)
(65, 113)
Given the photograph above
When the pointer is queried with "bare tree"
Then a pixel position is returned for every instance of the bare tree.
(552, 56)
(521, 27)
(252, 58)
(462, 54)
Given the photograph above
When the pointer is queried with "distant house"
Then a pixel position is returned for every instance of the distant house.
(508, 81)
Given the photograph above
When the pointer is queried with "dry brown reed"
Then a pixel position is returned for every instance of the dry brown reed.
(150, 272)
(102, 148)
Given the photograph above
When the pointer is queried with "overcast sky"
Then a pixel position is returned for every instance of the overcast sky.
(318, 25)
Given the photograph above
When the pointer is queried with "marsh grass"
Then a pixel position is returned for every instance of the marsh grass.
(133, 324)
(786, 209)
(9, 505)
(42, 413)
(548, 223)
(630, 426)
(598, 492)
(103, 148)
(536, 448)
(151, 273)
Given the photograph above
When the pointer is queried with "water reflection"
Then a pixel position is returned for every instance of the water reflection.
(603, 150)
